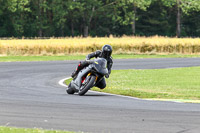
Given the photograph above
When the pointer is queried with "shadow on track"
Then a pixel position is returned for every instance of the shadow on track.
(89, 95)
(96, 95)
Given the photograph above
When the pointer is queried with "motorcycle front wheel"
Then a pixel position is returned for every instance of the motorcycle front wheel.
(89, 83)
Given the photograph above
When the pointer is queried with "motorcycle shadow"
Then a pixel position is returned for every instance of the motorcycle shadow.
(94, 95)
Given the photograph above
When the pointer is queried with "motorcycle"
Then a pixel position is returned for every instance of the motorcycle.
(88, 77)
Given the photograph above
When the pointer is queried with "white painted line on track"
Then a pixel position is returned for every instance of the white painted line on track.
(116, 95)
(131, 97)
(61, 82)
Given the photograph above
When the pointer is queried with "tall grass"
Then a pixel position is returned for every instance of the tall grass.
(65, 46)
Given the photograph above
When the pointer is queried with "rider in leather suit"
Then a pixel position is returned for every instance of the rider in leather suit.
(104, 53)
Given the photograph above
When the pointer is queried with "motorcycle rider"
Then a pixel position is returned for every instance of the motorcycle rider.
(104, 53)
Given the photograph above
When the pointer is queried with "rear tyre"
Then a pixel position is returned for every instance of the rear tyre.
(70, 90)
(87, 86)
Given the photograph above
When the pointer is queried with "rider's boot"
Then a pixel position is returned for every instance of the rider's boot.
(74, 74)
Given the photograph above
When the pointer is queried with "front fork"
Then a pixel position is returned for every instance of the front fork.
(85, 80)
(95, 75)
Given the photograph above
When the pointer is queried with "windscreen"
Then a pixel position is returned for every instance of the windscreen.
(102, 62)
(101, 65)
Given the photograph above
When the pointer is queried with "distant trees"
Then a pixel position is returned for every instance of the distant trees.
(129, 8)
(45, 18)
(182, 6)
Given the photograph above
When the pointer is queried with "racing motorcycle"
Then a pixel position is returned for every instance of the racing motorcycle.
(88, 77)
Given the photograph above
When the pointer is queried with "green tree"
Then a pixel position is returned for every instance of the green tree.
(74, 15)
(60, 13)
(126, 11)
(158, 20)
(141, 4)
(88, 11)
(182, 6)
(13, 14)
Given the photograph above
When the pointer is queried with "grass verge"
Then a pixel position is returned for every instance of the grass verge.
(27, 130)
(82, 57)
(179, 84)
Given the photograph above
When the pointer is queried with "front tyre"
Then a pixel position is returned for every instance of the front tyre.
(89, 83)
(70, 90)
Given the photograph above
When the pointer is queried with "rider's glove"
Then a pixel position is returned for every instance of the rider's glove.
(107, 75)
(87, 59)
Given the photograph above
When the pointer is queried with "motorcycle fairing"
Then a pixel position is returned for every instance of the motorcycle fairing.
(100, 66)
(77, 81)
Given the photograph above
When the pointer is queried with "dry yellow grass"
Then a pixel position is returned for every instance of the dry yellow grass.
(136, 45)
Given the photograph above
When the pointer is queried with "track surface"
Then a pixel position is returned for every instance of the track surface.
(30, 96)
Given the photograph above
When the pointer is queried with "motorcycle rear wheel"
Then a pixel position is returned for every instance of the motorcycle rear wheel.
(87, 86)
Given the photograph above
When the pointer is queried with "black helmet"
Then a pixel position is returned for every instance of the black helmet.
(106, 51)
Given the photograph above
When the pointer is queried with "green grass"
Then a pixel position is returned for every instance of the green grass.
(82, 57)
(179, 83)
(26, 130)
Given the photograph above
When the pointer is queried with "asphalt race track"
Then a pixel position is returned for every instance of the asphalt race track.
(30, 96)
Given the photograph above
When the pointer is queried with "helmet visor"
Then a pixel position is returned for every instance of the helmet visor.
(106, 54)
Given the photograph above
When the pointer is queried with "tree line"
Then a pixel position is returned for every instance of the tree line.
(60, 18)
